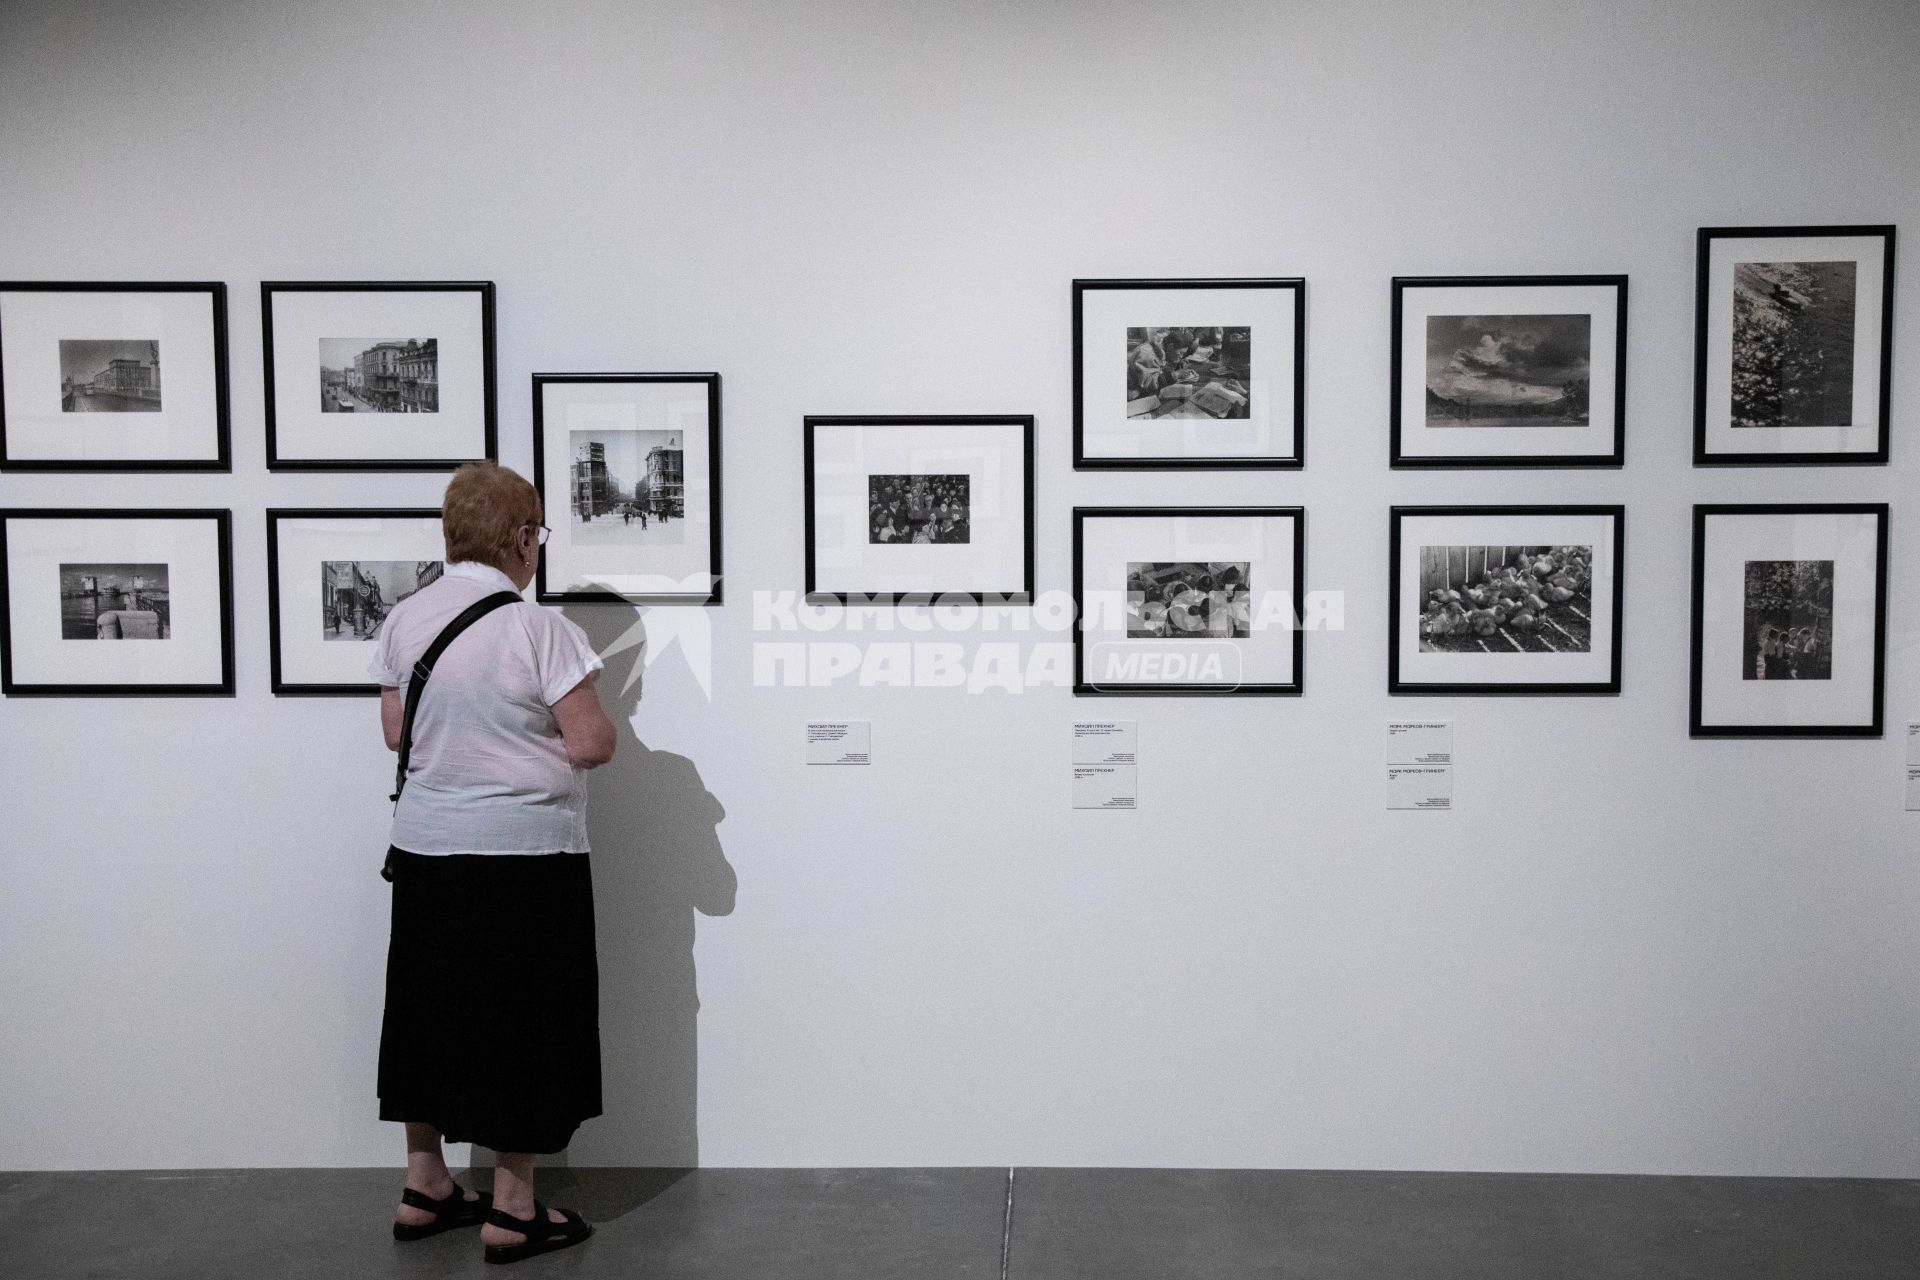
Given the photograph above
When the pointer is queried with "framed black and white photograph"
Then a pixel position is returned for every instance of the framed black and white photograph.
(378, 376)
(1189, 373)
(917, 509)
(1509, 371)
(124, 603)
(1188, 600)
(628, 467)
(113, 377)
(333, 576)
(1789, 620)
(1793, 345)
(1505, 600)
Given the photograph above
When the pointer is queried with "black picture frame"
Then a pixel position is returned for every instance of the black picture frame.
(222, 461)
(223, 526)
(1703, 254)
(490, 398)
(1294, 461)
(1616, 457)
(283, 688)
(1400, 687)
(1696, 725)
(711, 380)
(1024, 422)
(1083, 688)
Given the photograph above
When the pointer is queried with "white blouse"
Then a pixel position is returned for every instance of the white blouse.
(489, 771)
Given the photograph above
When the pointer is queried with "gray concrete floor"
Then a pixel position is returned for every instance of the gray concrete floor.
(929, 1224)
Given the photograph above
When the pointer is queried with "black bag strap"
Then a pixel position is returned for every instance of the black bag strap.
(423, 669)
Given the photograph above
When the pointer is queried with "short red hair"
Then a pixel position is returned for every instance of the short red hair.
(483, 512)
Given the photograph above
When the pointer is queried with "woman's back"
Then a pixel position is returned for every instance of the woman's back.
(488, 771)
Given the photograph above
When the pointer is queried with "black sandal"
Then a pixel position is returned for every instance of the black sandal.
(542, 1234)
(454, 1211)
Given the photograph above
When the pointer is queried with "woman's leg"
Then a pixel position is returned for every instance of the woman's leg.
(426, 1173)
(512, 1195)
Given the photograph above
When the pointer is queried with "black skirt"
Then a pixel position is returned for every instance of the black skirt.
(492, 1029)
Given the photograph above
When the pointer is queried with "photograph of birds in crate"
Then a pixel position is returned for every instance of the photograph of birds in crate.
(1506, 599)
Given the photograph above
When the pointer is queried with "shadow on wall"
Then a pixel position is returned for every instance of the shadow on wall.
(656, 860)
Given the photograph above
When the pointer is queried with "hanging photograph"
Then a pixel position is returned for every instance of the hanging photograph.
(113, 377)
(127, 603)
(1509, 371)
(912, 510)
(1188, 600)
(332, 578)
(1792, 345)
(1504, 600)
(1189, 373)
(628, 467)
(378, 377)
(1789, 620)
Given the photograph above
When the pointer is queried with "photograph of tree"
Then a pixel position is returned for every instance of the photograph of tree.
(1793, 339)
(1508, 371)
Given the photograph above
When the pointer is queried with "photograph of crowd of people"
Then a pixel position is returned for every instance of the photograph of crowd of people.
(1186, 599)
(929, 508)
(1482, 599)
(1789, 620)
(357, 595)
(1189, 373)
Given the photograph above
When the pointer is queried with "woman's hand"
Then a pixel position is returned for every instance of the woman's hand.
(584, 726)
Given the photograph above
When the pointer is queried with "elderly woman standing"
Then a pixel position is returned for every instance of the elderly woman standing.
(492, 1031)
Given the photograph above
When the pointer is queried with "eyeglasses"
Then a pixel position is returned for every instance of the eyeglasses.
(545, 533)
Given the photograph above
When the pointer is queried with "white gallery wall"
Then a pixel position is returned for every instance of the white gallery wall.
(1623, 950)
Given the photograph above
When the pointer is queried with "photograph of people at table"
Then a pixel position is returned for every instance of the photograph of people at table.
(1188, 372)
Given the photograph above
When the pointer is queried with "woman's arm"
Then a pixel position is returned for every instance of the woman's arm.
(584, 726)
(391, 712)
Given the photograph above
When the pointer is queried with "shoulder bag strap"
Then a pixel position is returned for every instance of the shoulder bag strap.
(422, 670)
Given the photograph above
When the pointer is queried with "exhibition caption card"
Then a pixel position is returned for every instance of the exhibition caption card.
(1913, 766)
(839, 741)
(1420, 765)
(1105, 764)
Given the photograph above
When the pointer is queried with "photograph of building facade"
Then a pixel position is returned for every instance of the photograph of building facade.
(666, 480)
(379, 377)
(109, 377)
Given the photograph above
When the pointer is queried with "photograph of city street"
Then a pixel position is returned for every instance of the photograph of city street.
(629, 488)
(1509, 371)
(357, 595)
(114, 602)
(367, 375)
(105, 375)
(919, 509)
(1189, 373)
(1173, 600)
